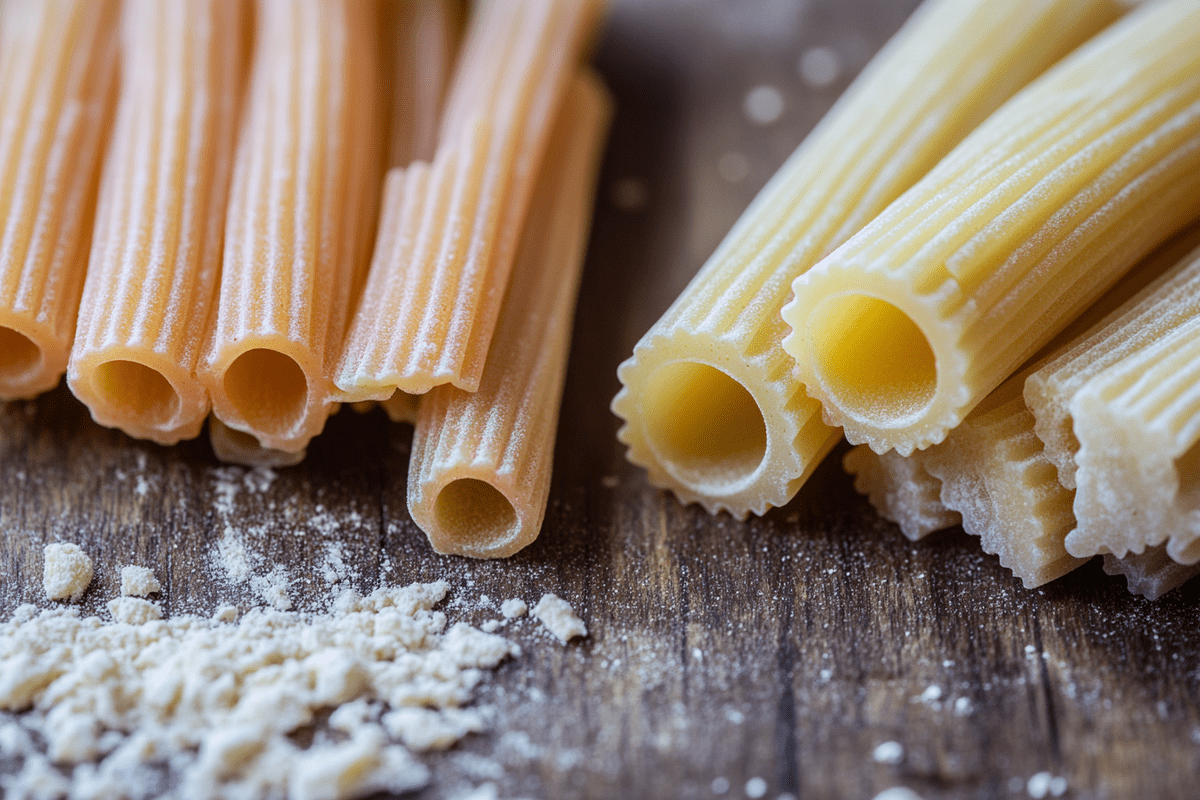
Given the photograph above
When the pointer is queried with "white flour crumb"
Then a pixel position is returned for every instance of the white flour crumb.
(819, 66)
(898, 793)
(763, 104)
(142, 487)
(888, 753)
(514, 608)
(259, 479)
(138, 582)
(210, 708)
(276, 596)
(490, 626)
(559, 618)
(720, 785)
(963, 706)
(1044, 784)
(67, 571)
(133, 610)
(234, 558)
(755, 788)
(225, 614)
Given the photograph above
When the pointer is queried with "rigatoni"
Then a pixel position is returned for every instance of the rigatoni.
(434, 306)
(904, 328)
(901, 490)
(1152, 573)
(156, 248)
(300, 218)
(481, 462)
(58, 70)
(710, 402)
(236, 447)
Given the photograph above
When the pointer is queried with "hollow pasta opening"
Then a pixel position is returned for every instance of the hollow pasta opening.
(136, 391)
(873, 359)
(704, 427)
(1187, 467)
(268, 389)
(471, 510)
(18, 354)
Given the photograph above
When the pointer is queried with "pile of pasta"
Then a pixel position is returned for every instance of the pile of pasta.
(263, 210)
(956, 271)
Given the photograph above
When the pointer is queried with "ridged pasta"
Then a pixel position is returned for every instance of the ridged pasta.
(156, 248)
(1137, 422)
(481, 462)
(910, 323)
(710, 402)
(236, 447)
(435, 305)
(58, 77)
(901, 490)
(300, 219)
(1152, 573)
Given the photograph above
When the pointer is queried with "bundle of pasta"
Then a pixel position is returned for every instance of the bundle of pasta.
(711, 406)
(1135, 415)
(481, 462)
(902, 491)
(300, 218)
(57, 83)
(442, 261)
(156, 247)
(907, 326)
(994, 469)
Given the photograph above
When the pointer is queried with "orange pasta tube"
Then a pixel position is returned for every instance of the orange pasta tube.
(300, 219)
(481, 462)
(58, 69)
(236, 447)
(909, 324)
(156, 247)
(435, 303)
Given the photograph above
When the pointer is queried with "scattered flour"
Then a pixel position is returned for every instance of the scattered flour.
(898, 793)
(138, 582)
(67, 572)
(1043, 784)
(199, 707)
(513, 608)
(559, 618)
(755, 788)
(819, 66)
(763, 104)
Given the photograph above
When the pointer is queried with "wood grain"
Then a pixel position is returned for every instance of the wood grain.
(785, 648)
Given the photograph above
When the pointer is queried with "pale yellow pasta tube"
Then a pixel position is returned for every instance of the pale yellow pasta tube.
(420, 41)
(434, 309)
(481, 462)
(156, 248)
(1138, 426)
(58, 70)
(910, 323)
(237, 447)
(1152, 573)
(711, 406)
(300, 219)
(901, 490)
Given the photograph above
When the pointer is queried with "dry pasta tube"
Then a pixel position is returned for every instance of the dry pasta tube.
(711, 406)
(901, 490)
(419, 44)
(57, 83)
(1138, 427)
(1152, 573)
(434, 305)
(481, 462)
(910, 323)
(156, 247)
(235, 447)
(300, 219)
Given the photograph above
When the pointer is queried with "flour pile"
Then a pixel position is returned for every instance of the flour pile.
(269, 704)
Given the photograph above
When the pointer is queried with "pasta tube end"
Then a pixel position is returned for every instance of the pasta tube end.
(467, 516)
(717, 428)
(146, 397)
(24, 367)
(238, 447)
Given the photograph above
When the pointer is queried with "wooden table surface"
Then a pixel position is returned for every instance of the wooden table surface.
(785, 648)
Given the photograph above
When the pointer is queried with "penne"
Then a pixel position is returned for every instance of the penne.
(156, 247)
(481, 462)
(710, 403)
(433, 303)
(909, 324)
(300, 219)
(58, 75)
